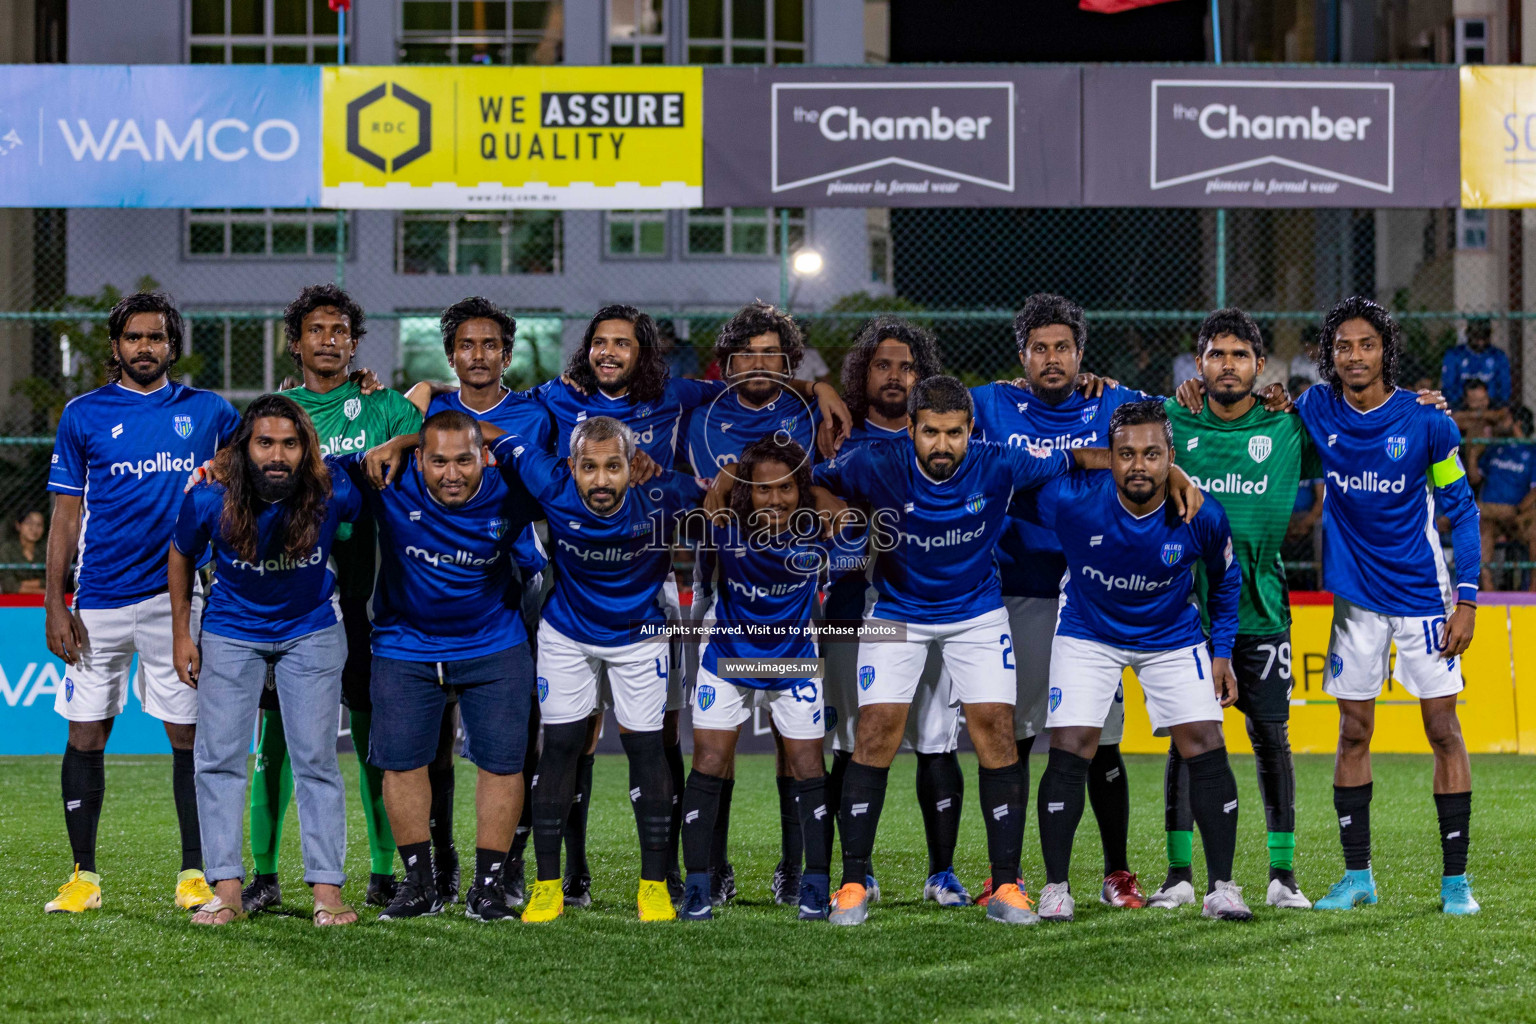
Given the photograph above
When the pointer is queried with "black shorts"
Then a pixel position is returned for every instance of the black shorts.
(1262, 665)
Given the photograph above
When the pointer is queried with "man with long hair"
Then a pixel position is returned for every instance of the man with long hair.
(119, 459)
(271, 511)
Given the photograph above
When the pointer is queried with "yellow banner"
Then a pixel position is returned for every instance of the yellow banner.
(1498, 137)
(1486, 707)
(497, 137)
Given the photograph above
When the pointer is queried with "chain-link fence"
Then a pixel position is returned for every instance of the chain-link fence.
(1145, 276)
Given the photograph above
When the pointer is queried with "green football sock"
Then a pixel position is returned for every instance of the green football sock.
(271, 791)
(1181, 849)
(1282, 850)
(370, 786)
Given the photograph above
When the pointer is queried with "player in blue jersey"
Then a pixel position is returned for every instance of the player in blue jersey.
(1053, 412)
(272, 515)
(1476, 359)
(119, 459)
(448, 619)
(1389, 463)
(770, 560)
(1505, 475)
(1128, 602)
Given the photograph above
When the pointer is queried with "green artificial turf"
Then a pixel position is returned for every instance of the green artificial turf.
(139, 959)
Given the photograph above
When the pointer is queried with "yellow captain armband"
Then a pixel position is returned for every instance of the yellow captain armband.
(1448, 470)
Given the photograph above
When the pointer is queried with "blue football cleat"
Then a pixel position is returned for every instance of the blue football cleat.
(814, 897)
(696, 902)
(1456, 895)
(945, 890)
(872, 888)
(1355, 888)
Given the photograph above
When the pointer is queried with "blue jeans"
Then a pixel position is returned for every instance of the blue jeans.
(307, 670)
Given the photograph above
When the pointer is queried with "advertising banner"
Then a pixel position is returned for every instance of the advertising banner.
(499, 137)
(159, 136)
(1277, 137)
(1498, 137)
(892, 136)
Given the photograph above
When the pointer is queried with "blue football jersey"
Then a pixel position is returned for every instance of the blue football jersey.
(1385, 471)
(1130, 579)
(127, 455)
(935, 542)
(656, 424)
(608, 569)
(1029, 558)
(278, 596)
(1507, 473)
(717, 433)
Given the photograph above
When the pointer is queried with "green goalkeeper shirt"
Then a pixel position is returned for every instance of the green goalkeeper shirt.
(1252, 465)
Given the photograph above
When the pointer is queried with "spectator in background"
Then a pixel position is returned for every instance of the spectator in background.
(682, 360)
(1304, 363)
(1479, 420)
(1185, 367)
(1505, 476)
(1477, 359)
(28, 546)
(812, 366)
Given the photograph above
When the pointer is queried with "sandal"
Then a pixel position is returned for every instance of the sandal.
(216, 907)
(326, 915)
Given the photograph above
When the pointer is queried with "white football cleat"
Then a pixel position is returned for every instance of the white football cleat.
(1056, 903)
(1225, 903)
(1282, 895)
(1171, 897)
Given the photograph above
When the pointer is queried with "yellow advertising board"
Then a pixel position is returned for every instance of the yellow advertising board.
(497, 137)
(1498, 136)
(1486, 706)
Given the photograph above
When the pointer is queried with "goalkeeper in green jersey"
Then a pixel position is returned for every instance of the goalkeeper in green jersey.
(323, 327)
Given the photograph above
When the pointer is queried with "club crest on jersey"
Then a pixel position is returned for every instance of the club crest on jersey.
(1259, 447)
(788, 423)
(975, 503)
(831, 718)
(1397, 447)
(706, 697)
(352, 408)
(498, 528)
(183, 426)
(866, 676)
(543, 689)
(644, 410)
(1172, 552)
(1335, 665)
(1089, 413)
(1055, 697)
(69, 689)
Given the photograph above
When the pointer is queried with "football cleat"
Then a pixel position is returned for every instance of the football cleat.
(655, 902)
(445, 873)
(487, 902)
(872, 887)
(1171, 897)
(1121, 890)
(786, 883)
(578, 890)
(192, 890)
(1456, 895)
(1225, 903)
(696, 902)
(81, 893)
(412, 899)
(514, 879)
(1355, 888)
(261, 893)
(945, 889)
(814, 902)
(381, 890)
(1011, 905)
(676, 890)
(724, 886)
(849, 905)
(545, 903)
(1286, 897)
(1056, 902)
(986, 891)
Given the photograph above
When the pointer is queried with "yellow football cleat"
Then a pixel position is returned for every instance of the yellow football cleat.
(192, 890)
(81, 893)
(655, 902)
(546, 903)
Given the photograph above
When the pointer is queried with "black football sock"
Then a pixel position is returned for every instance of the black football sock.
(650, 792)
(1455, 813)
(1353, 805)
(1213, 798)
(674, 755)
(1024, 747)
(791, 836)
(701, 804)
(841, 759)
(1002, 809)
(814, 821)
(940, 795)
(524, 830)
(440, 776)
(488, 865)
(576, 819)
(184, 789)
(859, 818)
(1058, 809)
(1109, 793)
(83, 780)
(718, 855)
(554, 788)
(417, 858)
(1178, 819)
(1277, 787)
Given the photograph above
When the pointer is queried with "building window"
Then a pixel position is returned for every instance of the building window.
(742, 230)
(261, 32)
(236, 355)
(636, 32)
(1471, 40)
(1471, 229)
(641, 233)
(877, 223)
(481, 31)
(746, 31)
(285, 233)
(516, 242)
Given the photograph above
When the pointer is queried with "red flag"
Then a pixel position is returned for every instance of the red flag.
(1091, 6)
(340, 5)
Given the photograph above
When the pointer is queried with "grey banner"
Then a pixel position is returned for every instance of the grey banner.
(1282, 137)
(981, 135)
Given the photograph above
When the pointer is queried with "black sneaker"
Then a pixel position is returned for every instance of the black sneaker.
(413, 899)
(445, 873)
(514, 878)
(487, 901)
(381, 890)
(725, 886)
(786, 884)
(578, 890)
(676, 889)
(263, 892)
